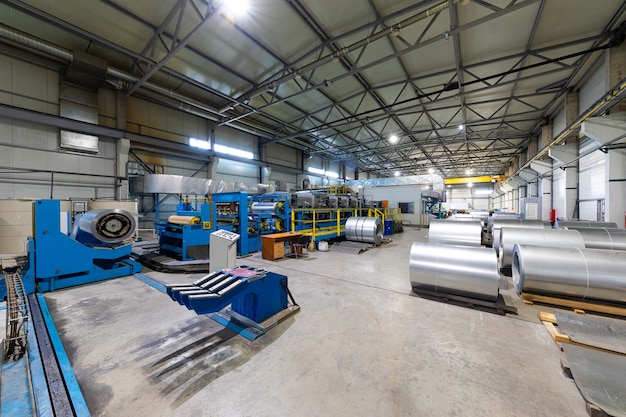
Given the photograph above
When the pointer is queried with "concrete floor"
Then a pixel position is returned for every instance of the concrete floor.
(362, 345)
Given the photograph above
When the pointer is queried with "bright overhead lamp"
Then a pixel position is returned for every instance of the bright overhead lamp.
(393, 139)
(237, 7)
(461, 127)
(470, 185)
(397, 173)
(431, 170)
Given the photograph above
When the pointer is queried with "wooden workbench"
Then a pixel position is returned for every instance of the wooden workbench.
(273, 245)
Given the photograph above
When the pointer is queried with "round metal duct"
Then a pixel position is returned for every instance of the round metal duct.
(509, 236)
(364, 229)
(462, 270)
(108, 225)
(466, 232)
(571, 272)
(508, 222)
(603, 238)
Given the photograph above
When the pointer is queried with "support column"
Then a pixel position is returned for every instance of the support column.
(544, 186)
(572, 168)
(546, 136)
(615, 59)
(615, 201)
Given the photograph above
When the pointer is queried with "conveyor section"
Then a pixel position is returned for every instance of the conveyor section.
(254, 293)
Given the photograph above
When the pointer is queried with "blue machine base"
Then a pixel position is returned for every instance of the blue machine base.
(116, 270)
(248, 328)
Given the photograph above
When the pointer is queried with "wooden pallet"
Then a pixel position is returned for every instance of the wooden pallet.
(498, 307)
(549, 322)
(578, 306)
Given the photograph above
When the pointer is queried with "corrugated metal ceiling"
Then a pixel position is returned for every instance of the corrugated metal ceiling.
(337, 77)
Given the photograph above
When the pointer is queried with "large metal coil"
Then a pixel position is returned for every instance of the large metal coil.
(268, 207)
(565, 224)
(509, 222)
(108, 225)
(509, 236)
(491, 219)
(184, 220)
(466, 232)
(461, 270)
(603, 238)
(364, 229)
(571, 272)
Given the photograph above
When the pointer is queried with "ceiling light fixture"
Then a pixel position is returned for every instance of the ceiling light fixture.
(237, 7)
(431, 170)
(461, 127)
(397, 173)
(393, 139)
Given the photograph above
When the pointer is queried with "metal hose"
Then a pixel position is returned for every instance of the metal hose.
(364, 229)
(571, 272)
(467, 232)
(461, 270)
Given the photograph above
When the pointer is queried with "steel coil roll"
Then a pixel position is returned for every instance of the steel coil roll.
(268, 208)
(491, 219)
(461, 270)
(364, 229)
(572, 272)
(108, 225)
(603, 238)
(509, 236)
(456, 232)
(508, 222)
(583, 223)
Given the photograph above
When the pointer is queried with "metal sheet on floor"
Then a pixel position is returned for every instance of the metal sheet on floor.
(599, 377)
(604, 332)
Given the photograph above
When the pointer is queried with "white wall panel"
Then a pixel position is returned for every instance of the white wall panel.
(593, 89)
(282, 155)
(588, 210)
(399, 194)
(558, 192)
(591, 181)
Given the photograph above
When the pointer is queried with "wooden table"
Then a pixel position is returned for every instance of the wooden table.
(273, 245)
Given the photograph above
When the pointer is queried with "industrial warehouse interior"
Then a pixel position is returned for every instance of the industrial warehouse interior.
(313, 208)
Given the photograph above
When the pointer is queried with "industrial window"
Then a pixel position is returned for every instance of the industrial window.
(199, 143)
(322, 172)
(406, 208)
(233, 151)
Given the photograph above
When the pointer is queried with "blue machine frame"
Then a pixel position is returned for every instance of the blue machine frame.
(232, 211)
(56, 261)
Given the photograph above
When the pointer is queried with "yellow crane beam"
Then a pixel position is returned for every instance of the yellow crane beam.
(473, 180)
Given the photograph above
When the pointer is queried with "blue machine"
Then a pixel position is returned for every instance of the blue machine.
(255, 296)
(94, 252)
(249, 216)
(188, 241)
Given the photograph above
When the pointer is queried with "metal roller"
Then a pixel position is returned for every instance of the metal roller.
(571, 272)
(509, 236)
(583, 223)
(108, 225)
(268, 208)
(462, 270)
(603, 238)
(184, 220)
(466, 232)
(364, 229)
(509, 222)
